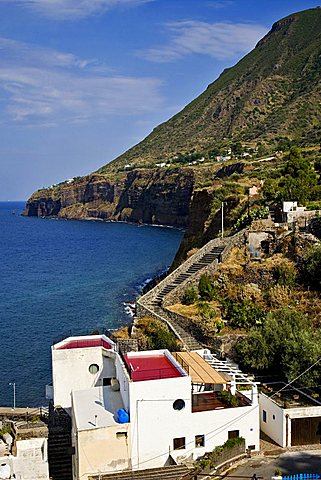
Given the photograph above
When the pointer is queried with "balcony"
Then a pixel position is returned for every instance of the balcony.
(203, 402)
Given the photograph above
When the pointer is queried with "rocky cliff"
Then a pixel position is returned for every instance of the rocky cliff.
(142, 196)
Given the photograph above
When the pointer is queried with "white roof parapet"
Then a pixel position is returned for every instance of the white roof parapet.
(228, 368)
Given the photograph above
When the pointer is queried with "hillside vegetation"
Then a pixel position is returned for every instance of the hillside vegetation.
(272, 95)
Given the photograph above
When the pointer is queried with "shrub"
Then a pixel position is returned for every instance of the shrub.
(242, 314)
(285, 274)
(154, 334)
(190, 296)
(227, 397)
(206, 311)
(254, 214)
(312, 267)
(206, 288)
(279, 296)
(233, 442)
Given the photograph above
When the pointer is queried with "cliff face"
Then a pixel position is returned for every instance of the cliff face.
(142, 196)
(202, 224)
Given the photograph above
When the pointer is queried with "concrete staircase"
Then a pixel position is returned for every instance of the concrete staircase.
(175, 472)
(153, 300)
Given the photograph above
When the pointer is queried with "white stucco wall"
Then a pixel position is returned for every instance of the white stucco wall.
(279, 427)
(123, 379)
(155, 423)
(30, 462)
(275, 425)
(70, 371)
(101, 451)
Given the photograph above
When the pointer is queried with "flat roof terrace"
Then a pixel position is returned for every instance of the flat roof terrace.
(85, 342)
(96, 407)
(154, 366)
(289, 396)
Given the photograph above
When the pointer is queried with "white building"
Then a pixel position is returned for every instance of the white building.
(289, 415)
(30, 461)
(173, 409)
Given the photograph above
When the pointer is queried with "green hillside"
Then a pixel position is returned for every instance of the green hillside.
(272, 94)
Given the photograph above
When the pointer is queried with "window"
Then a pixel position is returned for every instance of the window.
(179, 404)
(199, 441)
(251, 447)
(106, 381)
(179, 443)
(121, 434)
(273, 416)
(264, 416)
(233, 434)
(93, 368)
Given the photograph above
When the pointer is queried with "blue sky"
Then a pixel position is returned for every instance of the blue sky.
(81, 81)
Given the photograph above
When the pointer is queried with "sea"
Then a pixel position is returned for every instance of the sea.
(66, 277)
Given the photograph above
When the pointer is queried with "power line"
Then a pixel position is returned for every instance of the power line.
(294, 380)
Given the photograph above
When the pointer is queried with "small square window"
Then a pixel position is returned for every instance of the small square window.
(121, 434)
(251, 447)
(264, 416)
(233, 434)
(199, 441)
(179, 443)
(106, 381)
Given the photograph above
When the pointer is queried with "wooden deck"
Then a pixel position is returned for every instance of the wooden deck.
(203, 402)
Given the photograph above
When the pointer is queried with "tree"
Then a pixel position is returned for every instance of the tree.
(299, 178)
(311, 267)
(237, 148)
(286, 343)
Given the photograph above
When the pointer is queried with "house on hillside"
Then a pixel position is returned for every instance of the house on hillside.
(148, 409)
(290, 416)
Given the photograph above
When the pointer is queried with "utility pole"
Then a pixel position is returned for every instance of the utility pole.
(13, 385)
(222, 208)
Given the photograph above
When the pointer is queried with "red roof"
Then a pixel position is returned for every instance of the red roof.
(151, 367)
(86, 343)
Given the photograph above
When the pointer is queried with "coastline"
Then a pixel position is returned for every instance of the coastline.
(96, 219)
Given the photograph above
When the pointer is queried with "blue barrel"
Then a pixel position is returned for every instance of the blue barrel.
(122, 416)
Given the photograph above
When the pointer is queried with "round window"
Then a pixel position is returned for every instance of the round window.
(93, 368)
(179, 404)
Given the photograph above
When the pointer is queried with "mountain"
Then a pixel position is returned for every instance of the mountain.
(273, 92)
(272, 95)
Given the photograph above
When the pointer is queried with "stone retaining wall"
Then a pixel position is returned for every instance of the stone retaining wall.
(144, 311)
(143, 307)
(217, 242)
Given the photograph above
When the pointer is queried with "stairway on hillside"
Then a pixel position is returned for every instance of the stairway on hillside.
(182, 275)
(59, 445)
(208, 258)
(189, 341)
(175, 472)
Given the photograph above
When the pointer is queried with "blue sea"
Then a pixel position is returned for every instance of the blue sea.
(60, 278)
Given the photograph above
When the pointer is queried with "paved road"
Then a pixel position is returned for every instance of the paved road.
(289, 463)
